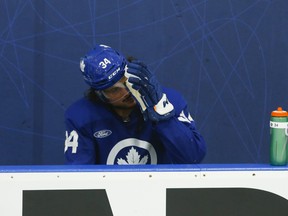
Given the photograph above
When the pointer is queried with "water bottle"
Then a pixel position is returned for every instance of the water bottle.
(278, 137)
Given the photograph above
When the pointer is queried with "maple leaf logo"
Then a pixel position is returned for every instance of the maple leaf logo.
(132, 157)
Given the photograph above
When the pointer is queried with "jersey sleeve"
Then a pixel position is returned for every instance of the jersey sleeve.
(183, 142)
(79, 146)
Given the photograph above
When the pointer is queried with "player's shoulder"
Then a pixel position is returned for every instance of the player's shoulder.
(80, 104)
(173, 94)
(176, 98)
(171, 91)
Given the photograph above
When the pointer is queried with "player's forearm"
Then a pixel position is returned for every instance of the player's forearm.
(184, 144)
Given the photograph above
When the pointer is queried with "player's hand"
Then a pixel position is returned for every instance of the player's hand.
(147, 92)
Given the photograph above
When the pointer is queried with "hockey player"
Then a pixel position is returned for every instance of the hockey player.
(126, 117)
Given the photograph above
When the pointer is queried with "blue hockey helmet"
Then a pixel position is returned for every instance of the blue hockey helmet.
(102, 67)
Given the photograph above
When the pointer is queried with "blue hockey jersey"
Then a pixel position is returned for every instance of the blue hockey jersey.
(97, 135)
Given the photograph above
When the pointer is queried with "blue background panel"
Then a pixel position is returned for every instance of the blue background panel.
(227, 57)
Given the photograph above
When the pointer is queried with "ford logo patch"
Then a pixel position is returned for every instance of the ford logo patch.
(102, 133)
